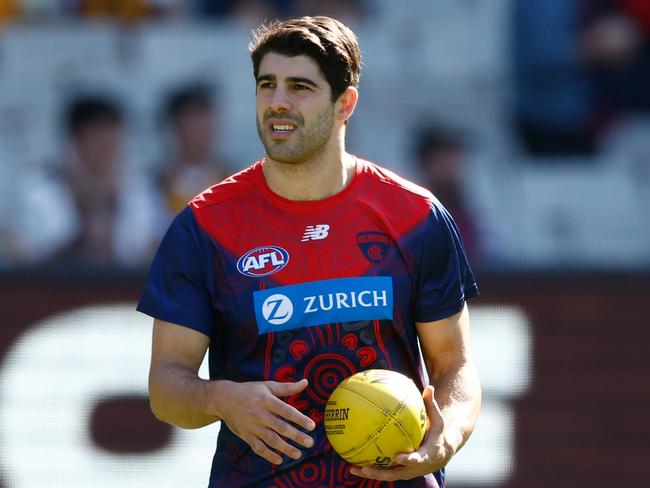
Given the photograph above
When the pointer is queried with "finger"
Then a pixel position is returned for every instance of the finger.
(290, 432)
(261, 449)
(273, 440)
(381, 474)
(287, 412)
(410, 458)
(287, 389)
(436, 421)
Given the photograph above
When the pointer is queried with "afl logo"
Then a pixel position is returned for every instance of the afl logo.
(263, 261)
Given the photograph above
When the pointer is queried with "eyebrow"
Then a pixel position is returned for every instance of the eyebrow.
(291, 79)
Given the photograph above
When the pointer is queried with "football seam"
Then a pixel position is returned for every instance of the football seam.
(389, 415)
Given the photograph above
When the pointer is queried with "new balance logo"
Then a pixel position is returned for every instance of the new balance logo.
(315, 232)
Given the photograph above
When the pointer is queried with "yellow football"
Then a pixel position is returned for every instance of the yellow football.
(374, 415)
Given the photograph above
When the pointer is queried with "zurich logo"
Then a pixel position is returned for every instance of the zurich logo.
(340, 300)
(277, 309)
(263, 261)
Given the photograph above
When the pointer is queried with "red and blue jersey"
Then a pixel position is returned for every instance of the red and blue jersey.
(308, 289)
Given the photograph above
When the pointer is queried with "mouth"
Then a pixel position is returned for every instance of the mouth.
(281, 129)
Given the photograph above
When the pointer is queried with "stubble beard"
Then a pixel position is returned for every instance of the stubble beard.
(305, 145)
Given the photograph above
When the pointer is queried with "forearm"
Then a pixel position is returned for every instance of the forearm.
(458, 394)
(179, 397)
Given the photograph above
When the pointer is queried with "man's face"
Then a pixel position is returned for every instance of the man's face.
(295, 113)
(98, 145)
(195, 129)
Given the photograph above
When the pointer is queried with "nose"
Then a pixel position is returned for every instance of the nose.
(280, 100)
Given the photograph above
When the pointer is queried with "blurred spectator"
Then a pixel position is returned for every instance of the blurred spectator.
(190, 164)
(117, 10)
(9, 10)
(127, 10)
(441, 157)
(577, 64)
(248, 12)
(31, 10)
(89, 209)
(553, 96)
(616, 43)
(347, 11)
(252, 12)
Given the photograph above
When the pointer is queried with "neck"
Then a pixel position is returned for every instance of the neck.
(315, 179)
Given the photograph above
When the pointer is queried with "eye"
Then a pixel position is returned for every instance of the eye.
(265, 85)
(300, 87)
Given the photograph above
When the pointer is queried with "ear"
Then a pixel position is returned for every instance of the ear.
(346, 103)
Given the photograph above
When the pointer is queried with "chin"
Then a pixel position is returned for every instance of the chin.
(294, 154)
(284, 159)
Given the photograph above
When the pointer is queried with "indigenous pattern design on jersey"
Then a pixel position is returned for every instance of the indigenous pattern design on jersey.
(319, 290)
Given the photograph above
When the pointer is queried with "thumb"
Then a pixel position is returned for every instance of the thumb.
(436, 421)
(287, 389)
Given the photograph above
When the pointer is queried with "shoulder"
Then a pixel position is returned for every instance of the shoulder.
(228, 189)
(411, 210)
(394, 183)
(396, 194)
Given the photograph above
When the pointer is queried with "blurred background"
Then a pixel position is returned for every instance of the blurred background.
(529, 119)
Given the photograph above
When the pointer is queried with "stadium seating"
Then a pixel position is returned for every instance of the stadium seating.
(445, 61)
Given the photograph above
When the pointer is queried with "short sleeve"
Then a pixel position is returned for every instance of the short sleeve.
(178, 288)
(444, 277)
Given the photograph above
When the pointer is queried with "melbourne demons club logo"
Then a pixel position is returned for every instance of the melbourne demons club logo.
(374, 245)
(263, 261)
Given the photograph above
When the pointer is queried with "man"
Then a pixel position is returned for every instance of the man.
(262, 269)
(441, 155)
(190, 164)
(82, 207)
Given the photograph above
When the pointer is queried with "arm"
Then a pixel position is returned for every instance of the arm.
(453, 400)
(457, 390)
(176, 393)
(252, 410)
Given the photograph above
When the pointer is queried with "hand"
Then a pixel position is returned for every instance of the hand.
(433, 454)
(253, 411)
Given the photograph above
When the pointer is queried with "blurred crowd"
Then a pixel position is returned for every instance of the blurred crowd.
(578, 68)
(88, 208)
(129, 11)
(580, 65)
